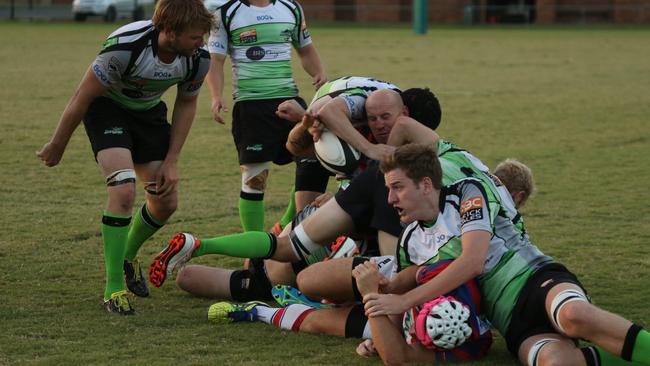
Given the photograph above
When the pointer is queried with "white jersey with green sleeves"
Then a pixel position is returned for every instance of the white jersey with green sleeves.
(259, 42)
(135, 77)
(473, 204)
(354, 90)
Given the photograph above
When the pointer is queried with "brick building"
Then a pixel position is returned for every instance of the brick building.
(483, 11)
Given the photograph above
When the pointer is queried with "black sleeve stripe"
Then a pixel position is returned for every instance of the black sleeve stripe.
(132, 32)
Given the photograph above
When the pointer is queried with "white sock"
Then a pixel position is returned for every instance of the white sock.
(288, 318)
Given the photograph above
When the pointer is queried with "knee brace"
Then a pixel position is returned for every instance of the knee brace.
(301, 244)
(561, 299)
(253, 177)
(251, 284)
(533, 353)
(120, 177)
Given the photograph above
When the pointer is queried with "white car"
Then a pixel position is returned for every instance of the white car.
(110, 10)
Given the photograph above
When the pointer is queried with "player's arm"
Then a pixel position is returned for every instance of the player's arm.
(386, 336)
(300, 142)
(182, 118)
(335, 116)
(407, 130)
(89, 89)
(311, 63)
(468, 265)
(215, 81)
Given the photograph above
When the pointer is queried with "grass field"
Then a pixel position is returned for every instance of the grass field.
(574, 104)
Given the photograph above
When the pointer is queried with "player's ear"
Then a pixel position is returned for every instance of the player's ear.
(427, 185)
(405, 111)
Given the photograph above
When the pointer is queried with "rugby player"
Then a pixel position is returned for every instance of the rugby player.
(536, 303)
(126, 122)
(258, 36)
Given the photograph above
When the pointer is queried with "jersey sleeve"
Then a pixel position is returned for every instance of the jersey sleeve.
(192, 85)
(111, 63)
(474, 208)
(301, 36)
(218, 40)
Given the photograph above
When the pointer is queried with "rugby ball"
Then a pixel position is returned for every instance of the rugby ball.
(335, 154)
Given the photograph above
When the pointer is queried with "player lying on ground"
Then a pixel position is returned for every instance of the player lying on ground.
(363, 206)
(538, 305)
(436, 330)
(253, 282)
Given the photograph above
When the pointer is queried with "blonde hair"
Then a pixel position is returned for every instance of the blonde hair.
(516, 176)
(181, 15)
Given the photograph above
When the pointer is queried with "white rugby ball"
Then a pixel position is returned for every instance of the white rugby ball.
(335, 154)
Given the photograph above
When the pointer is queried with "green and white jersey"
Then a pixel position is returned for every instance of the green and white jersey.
(459, 163)
(136, 79)
(354, 90)
(259, 42)
(511, 257)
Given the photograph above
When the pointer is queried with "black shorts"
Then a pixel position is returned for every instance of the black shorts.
(145, 133)
(259, 134)
(529, 315)
(366, 201)
(311, 176)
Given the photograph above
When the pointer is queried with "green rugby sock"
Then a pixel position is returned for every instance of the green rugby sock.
(142, 228)
(251, 211)
(641, 350)
(252, 244)
(595, 355)
(115, 229)
(291, 210)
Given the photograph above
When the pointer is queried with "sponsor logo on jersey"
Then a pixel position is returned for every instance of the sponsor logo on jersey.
(303, 28)
(100, 74)
(256, 147)
(286, 34)
(217, 44)
(264, 17)
(249, 36)
(471, 203)
(255, 53)
(114, 65)
(114, 131)
(471, 210)
(162, 74)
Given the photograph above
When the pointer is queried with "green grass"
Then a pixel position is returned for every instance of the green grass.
(572, 103)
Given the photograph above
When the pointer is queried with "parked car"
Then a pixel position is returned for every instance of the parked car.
(110, 10)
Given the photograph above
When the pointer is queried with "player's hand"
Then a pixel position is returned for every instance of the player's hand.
(319, 80)
(290, 110)
(320, 200)
(367, 277)
(313, 125)
(383, 304)
(386, 286)
(51, 153)
(218, 105)
(366, 348)
(379, 152)
(166, 179)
